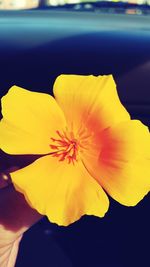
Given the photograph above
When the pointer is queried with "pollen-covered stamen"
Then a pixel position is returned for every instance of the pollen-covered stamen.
(65, 148)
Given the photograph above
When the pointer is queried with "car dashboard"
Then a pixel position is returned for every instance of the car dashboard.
(38, 45)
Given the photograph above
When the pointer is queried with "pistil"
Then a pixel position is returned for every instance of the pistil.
(65, 148)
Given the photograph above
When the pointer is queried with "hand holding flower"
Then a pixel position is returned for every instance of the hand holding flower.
(15, 218)
(87, 144)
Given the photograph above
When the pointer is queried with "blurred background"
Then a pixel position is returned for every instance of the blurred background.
(35, 47)
(24, 4)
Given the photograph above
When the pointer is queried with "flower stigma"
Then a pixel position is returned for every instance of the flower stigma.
(66, 148)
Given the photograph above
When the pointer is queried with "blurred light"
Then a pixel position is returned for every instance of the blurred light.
(56, 2)
(18, 4)
(25, 4)
(53, 2)
(63, 2)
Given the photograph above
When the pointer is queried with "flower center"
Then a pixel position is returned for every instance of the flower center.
(65, 147)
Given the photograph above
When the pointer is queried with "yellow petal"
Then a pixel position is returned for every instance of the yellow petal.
(123, 167)
(30, 119)
(64, 192)
(89, 101)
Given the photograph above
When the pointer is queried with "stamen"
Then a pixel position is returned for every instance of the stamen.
(65, 147)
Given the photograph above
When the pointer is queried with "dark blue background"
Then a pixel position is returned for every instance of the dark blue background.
(35, 47)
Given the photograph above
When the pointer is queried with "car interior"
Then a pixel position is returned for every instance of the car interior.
(36, 46)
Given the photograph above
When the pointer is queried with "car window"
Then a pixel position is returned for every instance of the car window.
(88, 5)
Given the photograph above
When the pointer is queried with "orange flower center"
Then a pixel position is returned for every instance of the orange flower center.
(65, 148)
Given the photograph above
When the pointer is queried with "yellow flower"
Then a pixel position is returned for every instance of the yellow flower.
(89, 144)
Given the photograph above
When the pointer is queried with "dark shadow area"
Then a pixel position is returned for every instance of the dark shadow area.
(121, 239)
(15, 213)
